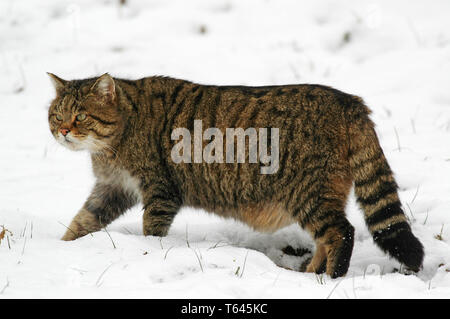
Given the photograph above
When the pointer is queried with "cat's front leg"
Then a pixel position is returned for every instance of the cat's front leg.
(82, 224)
(105, 204)
(160, 208)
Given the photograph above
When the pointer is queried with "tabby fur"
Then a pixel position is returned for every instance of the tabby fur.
(327, 144)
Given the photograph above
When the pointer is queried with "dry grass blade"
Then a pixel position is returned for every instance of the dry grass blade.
(216, 245)
(187, 239)
(24, 230)
(68, 228)
(439, 236)
(24, 243)
(4, 287)
(243, 266)
(334, 288)
(426, 219)
(415, 195)
(399, 148)
(112, 241)
(97, 283)
(198, 258)
(165, 255)
(4, 233)
(127, 230)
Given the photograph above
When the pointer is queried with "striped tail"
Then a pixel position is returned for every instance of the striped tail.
(376, 192)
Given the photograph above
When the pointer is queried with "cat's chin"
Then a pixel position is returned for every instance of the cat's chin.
(82, 145)
(73, 146)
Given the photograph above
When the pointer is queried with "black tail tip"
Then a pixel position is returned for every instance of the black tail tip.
(403, 246)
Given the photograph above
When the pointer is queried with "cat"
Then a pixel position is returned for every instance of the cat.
(327, 144)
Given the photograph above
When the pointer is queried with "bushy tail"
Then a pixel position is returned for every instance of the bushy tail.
(376, 192)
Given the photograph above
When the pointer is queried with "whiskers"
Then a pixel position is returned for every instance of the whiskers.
(99, 146)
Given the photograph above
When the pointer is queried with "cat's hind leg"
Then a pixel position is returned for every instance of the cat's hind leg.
(334, 242)
(321, 212)
(318, 263)
(334, 237)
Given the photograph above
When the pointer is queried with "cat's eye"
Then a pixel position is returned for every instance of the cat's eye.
(81, 117)
(59, 117)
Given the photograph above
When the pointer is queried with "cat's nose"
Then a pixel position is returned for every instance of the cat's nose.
(64, 131)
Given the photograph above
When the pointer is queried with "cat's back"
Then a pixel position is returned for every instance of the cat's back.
(234, 105)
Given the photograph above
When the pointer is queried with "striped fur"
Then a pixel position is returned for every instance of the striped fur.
(376, 192)
(327, 142)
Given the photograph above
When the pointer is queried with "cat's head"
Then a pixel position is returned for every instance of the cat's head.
(84, 114)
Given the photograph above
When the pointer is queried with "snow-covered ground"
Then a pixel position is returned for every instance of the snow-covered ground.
(395, 54)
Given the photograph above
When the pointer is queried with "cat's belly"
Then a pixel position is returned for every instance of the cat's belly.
(267, 217)
(262, 217)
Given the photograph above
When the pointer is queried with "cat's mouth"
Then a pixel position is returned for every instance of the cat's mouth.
(71, 142)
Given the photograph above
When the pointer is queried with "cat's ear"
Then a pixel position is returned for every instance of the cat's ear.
(105, 87)
(58, 83)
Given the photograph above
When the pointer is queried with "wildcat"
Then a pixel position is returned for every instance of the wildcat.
(327, 143)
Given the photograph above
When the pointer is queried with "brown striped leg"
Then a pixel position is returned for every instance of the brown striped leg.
(162, 201)
(333, 235)
(157, 222)
(82, 224)
(318, 263)
(337, 237)
(106, 203)
(158, 215)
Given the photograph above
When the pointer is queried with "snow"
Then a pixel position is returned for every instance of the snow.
(396, 55)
